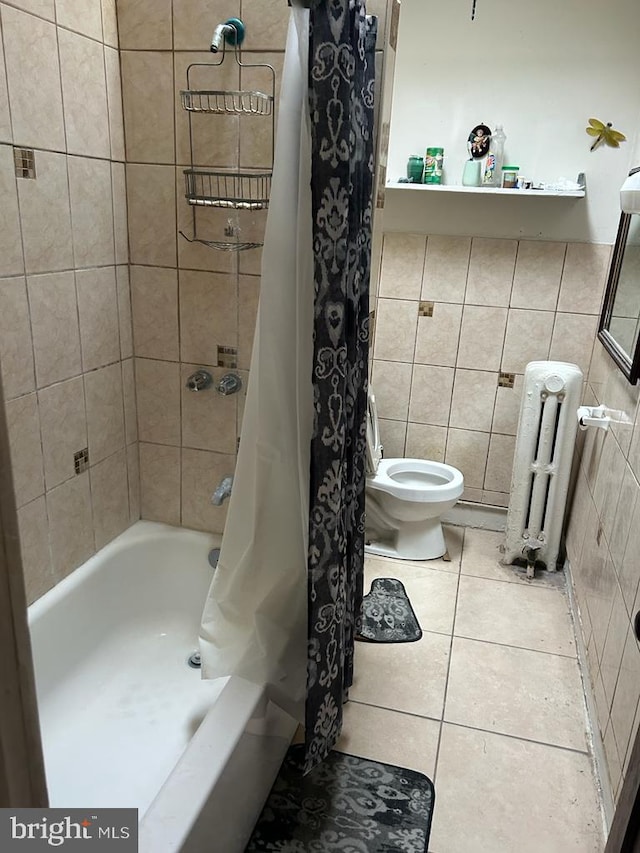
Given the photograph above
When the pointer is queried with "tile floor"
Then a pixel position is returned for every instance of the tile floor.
(489, 704)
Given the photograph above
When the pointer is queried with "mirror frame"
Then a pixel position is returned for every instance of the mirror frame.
(629, 364)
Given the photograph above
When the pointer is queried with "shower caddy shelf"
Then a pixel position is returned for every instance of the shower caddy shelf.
(246, 188)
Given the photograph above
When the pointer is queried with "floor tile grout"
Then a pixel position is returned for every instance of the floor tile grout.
(517, 737)
(446, 682)
(512, 646)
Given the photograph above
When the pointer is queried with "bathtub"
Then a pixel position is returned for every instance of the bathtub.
(126, 722)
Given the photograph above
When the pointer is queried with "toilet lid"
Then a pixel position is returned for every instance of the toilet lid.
(374, 447)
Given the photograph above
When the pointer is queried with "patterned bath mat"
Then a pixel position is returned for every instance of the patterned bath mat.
(346, 803)
(387, 614)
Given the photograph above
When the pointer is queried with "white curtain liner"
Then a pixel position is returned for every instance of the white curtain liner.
(255, 618)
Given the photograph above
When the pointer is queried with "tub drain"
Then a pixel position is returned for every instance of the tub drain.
(194, 660)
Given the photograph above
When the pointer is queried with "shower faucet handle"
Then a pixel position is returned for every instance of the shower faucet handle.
(200, 380)
(230, 384)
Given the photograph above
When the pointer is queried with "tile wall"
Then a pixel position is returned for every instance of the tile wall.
(189, 301)
(65, 327)
(457, 321)
(603, 546)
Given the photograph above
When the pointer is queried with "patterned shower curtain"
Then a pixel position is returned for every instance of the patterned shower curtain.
(341, 81)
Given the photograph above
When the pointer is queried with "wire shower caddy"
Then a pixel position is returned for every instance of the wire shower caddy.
(246, 188)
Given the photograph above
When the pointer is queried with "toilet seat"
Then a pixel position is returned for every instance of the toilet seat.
(418, 480)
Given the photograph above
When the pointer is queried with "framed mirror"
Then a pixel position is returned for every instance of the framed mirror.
(619, 327)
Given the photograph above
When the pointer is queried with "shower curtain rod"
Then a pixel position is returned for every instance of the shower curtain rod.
(306, 4)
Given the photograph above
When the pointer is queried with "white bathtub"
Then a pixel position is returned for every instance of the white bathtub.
(126, 722)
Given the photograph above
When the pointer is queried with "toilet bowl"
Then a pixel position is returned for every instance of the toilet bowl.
(405, 499)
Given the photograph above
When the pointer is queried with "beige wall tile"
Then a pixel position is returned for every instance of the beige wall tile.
(396, 323)
(536, 282)
(491, 269)
(507, 408)
(629, 567)
(145, 24)
(158, 401)
(495, 498)
(133, 468)
(208, 418)
(63, 422)
(614, 645)
(431, 395)
(446, 267)
(215, 139)
(6, 133)
(110, 498)
(392, 436)
(160, 483)
(105, 416)
(438, 336)
(11, 258)
(70, 525)
(481, 337)
(474, 394)
(129, 396)
(402, 265)
(120, 223)
(54, 323)
(188, 16)
(45, 215)
(257, 146)
(83, 16)
(499, 463)
(23, 425)
(33, 78)
(528, 338)
(248, 298)
(109, 23)
(16, 348)
(91, 211)
(152, 215)
(629, 494)
(426, 442)
(583, 278)
(148, 104)
(573, 339)
(208, 315)
(391, 381)
(467, 451)
(201, 473)
(154, 302)
(266, 24)
(114, 103)
(124, 311)
(627, 692)
(250, 262)
(98, 312)
(33, 526)
(84, 89)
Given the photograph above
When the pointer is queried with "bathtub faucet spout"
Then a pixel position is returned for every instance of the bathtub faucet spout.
(222, 492)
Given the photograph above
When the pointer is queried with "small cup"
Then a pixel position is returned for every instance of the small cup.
(471, 173)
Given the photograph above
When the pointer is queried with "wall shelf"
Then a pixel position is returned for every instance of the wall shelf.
(452, 188)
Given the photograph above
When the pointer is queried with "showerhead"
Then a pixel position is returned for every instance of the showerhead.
(231, 32)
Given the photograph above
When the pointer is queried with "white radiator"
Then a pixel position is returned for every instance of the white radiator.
(542, 463)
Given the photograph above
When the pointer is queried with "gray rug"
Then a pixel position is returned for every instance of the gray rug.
(345, 804)
(387, 614)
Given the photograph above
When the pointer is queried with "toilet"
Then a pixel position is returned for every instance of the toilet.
(405, 499)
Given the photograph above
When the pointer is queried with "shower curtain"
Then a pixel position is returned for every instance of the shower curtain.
(255, 621)
(342, 77)
(284, 604)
